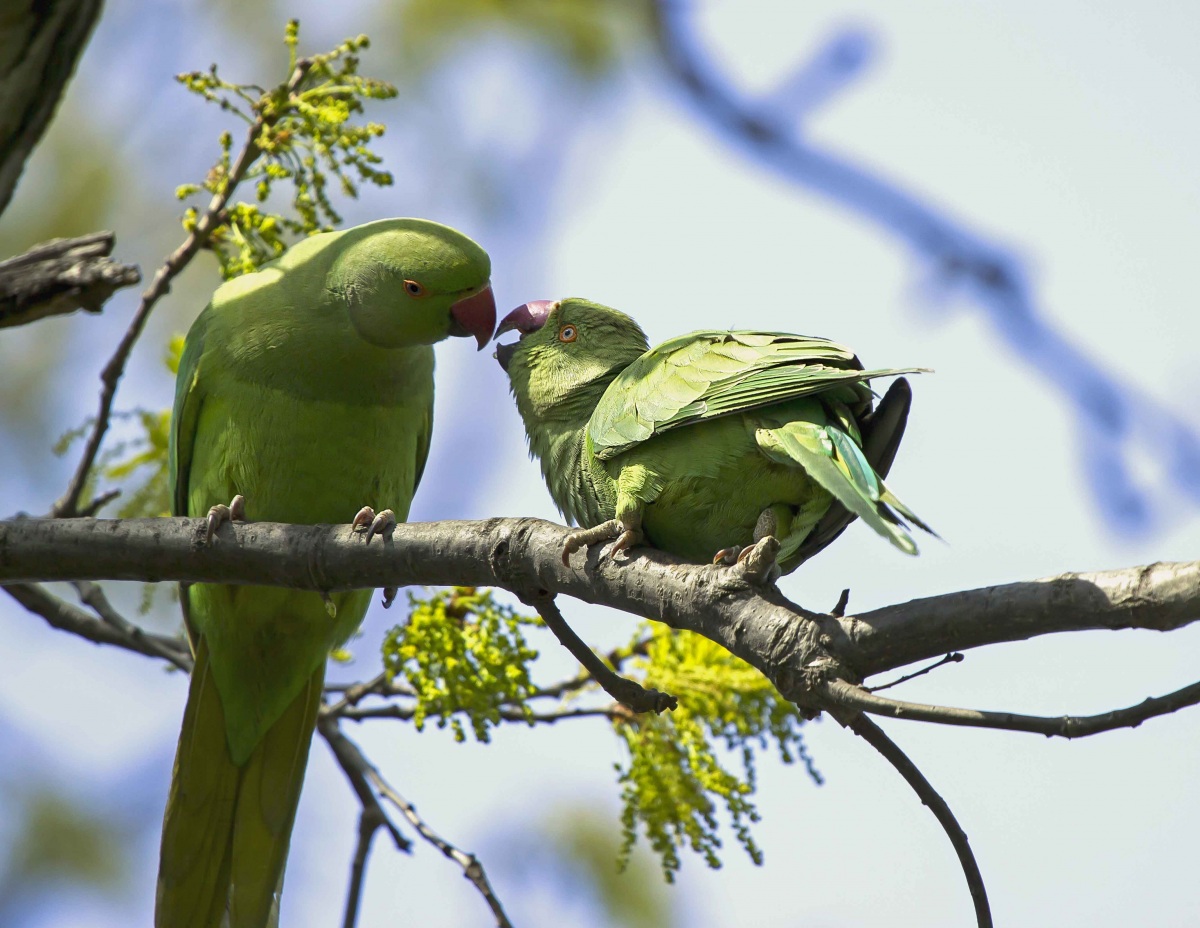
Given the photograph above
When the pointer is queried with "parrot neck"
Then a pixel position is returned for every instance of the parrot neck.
(579, 485)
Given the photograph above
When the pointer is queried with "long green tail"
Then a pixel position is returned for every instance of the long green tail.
(227, 828)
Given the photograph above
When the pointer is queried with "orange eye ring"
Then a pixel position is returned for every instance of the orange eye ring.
(568, 333)
(413, 288)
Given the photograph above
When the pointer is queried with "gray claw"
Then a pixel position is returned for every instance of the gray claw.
(383, 525)
(220, 513)
(363, 518)
(757, 561)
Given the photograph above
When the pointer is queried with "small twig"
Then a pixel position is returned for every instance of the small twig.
(62, 615)
(874, 736)
(68, 504)
(472, 868)
(92, 595)
(507, 713)
(615, 658)
(952, 658)
(372, 817)
(622, 689)
(1065, 726)
(354, 693)
(371, 688)
(99, 503)
(839, 610)
(366, 781)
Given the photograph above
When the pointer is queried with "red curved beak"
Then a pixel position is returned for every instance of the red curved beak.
(475, 315)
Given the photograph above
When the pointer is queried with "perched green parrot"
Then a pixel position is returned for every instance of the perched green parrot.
(305, 391)
(711, 443)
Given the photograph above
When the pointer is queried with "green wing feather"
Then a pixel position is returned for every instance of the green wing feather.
(881, 431)
(708, 374)
(806, 437)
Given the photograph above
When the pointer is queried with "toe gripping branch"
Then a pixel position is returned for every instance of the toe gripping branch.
(383, 524)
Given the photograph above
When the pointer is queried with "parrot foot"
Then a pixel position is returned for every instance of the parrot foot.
(389, 596)
(626, 537)
(757, 561)
(234, 512)
(382, 524)
(765, 526)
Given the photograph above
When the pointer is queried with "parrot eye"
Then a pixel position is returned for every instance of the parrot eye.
(414, 288)
(568, 333)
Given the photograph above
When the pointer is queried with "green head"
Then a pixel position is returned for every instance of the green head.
(566, 347)
(413, 282)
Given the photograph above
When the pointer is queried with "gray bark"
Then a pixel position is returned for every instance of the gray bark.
(798, 650)
(61, 276)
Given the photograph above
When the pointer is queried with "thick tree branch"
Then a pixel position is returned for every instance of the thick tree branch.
(815, 660)
(61, 276)
(40, 43)
(1161, 597)
(795, 648)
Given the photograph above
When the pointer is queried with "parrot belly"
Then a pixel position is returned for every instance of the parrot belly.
(717, 484)
(301, 461)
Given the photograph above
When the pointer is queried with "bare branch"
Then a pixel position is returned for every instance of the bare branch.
(472, 868)
(68, 504)
(507, 713)
(1160, 597)
(953, 658)
(366, 780)
(1066, 726)
(174, 650)
(61, 276)
(622, 689)
(62, 615)
(874, 735)
(372, 817)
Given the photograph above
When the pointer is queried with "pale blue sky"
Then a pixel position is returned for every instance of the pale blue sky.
(1068, 131)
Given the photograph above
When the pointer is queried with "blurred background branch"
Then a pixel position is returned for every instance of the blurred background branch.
(1115, 421)
(40, 43)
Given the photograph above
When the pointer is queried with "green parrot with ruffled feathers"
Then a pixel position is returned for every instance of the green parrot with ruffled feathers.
(711, 446)
(305, 391)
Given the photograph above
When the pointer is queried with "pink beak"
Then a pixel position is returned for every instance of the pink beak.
(475, 315)
(526, 318)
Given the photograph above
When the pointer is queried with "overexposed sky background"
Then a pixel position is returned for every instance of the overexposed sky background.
(1068, 132)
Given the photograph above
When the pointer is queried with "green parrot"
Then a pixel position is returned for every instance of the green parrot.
(711, 445)
(305, 391)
